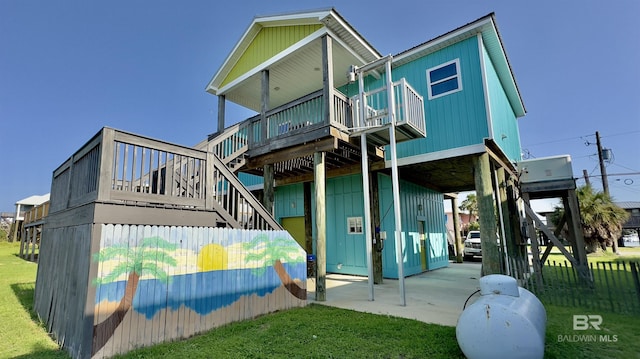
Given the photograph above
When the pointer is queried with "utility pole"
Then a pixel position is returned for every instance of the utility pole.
(605, 183)
(603, 170)
(586, 177)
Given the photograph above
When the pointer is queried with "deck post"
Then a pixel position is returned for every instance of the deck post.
(264, 107)
(308, 224)
(486, 210)
(321, 225)
(375, 218)
(221, 112)
(456, 230)
(268, 197)
(327, 78)
(501, 205)
(572, 213)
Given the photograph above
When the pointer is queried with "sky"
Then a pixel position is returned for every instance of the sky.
(69, 68)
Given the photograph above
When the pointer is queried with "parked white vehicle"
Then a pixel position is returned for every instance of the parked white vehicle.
(472, 247)
(630, 238)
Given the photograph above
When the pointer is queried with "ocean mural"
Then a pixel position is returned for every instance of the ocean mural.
(174, 276)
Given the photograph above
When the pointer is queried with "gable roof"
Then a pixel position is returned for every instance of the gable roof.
(487, 27)
(319, 21)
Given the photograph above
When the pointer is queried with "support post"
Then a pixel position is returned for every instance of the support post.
(327, 78)
(375, 215)
(319, 171)
(572, 215)
(456, 230)
(486, 210)
(264, 106)
(503, 210)
(535, 251)
(308, 223)
(395, 182)
(221, 112)
(268, 197)
(367, 212)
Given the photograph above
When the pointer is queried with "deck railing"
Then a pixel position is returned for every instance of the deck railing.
(37, 213)
(120, 167)
(289, 119)
(408, 103)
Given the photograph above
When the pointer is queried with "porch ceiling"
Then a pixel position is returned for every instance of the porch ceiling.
(294, 76)
(296, 164)
(446, 175)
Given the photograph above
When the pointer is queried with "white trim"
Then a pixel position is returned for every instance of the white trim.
(433, 156)
(337, 39)
(485, 86)
(458, 77)
(460, 32)
(347, 27)
(315, 35)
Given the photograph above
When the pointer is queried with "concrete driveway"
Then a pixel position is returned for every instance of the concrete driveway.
(432, 297)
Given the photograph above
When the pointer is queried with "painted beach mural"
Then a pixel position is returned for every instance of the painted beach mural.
(158, 283)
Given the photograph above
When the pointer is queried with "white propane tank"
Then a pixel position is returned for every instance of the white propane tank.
(506, 321)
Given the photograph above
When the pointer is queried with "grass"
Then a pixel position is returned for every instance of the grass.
(312, 332)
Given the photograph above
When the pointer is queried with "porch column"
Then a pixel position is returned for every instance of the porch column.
(321, 225)
(264, 106)
(221, 112)
(456, 230)
(486, 210)
(268, 171)
(327, 78)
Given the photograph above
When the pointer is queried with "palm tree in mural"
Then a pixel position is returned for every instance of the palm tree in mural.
(274, 252)
(134, 262)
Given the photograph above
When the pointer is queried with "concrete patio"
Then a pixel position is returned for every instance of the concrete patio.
(432, 297)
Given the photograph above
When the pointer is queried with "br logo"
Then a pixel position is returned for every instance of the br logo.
(584, 322)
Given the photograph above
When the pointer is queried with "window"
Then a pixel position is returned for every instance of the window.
(354, 225)
(444, 79)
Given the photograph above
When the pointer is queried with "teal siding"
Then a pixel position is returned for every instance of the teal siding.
(454, 120)
(503, 118)
(346, 253)
(250, 180)
(289, 201)
(411, 196)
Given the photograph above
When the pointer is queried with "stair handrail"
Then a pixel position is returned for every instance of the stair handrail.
(229, 192)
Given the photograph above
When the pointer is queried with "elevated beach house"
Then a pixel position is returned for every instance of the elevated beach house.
(343, 169)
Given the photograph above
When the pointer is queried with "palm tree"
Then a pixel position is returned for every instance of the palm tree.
(275, 252)
(133, 262)
(470, 204)
(602, 220)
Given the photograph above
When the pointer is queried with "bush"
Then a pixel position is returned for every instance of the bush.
(4, 233)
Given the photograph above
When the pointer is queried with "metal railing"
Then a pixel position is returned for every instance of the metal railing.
(615, 286)
(120, 167)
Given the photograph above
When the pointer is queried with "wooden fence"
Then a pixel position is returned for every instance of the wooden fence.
(615, 286)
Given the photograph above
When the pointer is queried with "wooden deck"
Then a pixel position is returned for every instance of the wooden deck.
(288, 136)
(116, 169)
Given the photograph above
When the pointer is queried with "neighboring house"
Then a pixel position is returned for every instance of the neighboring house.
(631, 228)
(23, 206)
(286, 66)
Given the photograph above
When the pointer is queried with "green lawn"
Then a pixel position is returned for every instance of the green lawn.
(312, 332)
